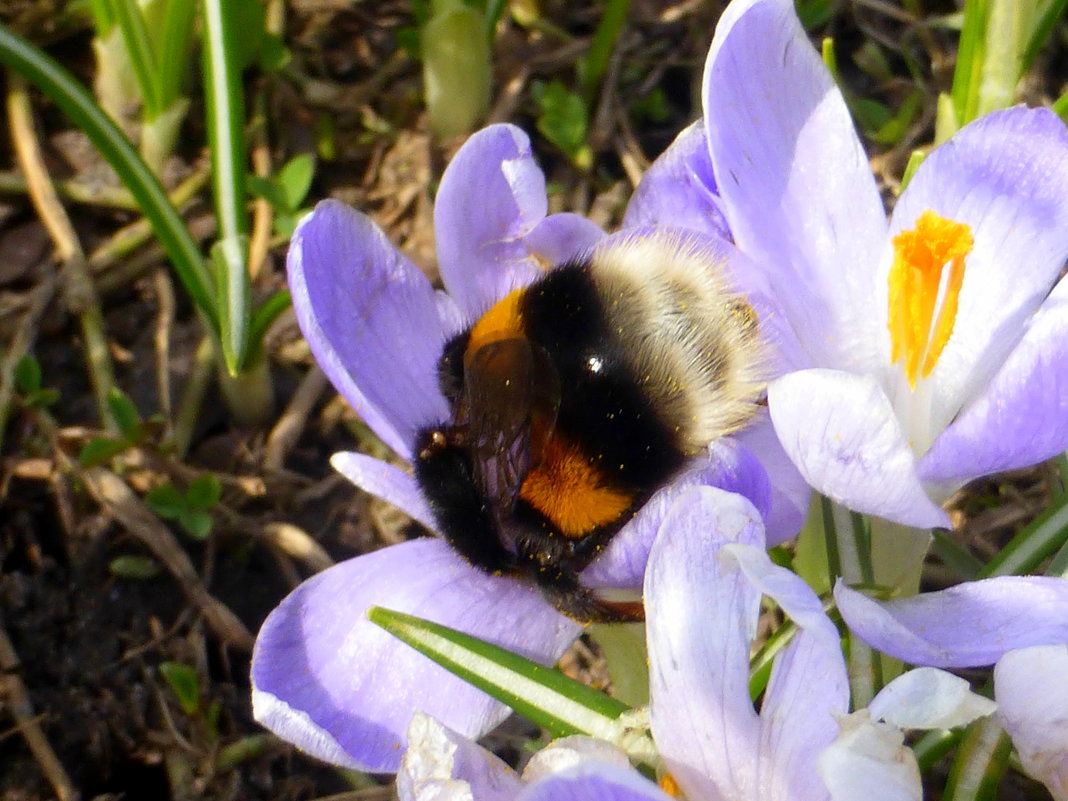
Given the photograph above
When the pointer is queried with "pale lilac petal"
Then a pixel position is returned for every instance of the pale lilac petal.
(594, 781)
(1032, 697)
(701, 615)
(370, 319)
(444, 765)
(387, 482)
(1021, 417)
(794, 180)
(330, 681)
(968, 625)
(679, 188)
(561, 237)
(727, 466)
(869, 760)
(1006, 176)
(491, 195)
(790, 493)
(841, 432)
(929, 698)
(808, 688)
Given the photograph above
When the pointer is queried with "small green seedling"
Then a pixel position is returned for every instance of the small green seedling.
(285, 191)
(191, 508)
(133, 431)
(28, 383)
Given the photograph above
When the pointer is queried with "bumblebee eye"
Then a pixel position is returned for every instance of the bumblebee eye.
(595, 364)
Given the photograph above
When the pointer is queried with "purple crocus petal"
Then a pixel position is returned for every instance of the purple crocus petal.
(370, 319)
(594, 781)
(794, 180)
(327, 679)
(442, 764)
(1021, 418)
(1033, 705)
(841, 432)
(808, 688)
(790, 493)
(1004, 176)
(491, 195)
(387, 482)
(561, 237)
(969, 625)
(679, 188)
(727, 466)
(701, 615)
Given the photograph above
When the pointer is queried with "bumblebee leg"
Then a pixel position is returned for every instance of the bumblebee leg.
(464, 521)
(562, 589)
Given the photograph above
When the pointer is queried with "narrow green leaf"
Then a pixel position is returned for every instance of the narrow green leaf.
(100, 450)
(78, 104)
(140, 568)
(175, 47)
(226, 118)
(1038, 540)
(127, 15)
(167, 501)
(125, 413)
(28, 374)
(955, 556)
(267, 313)
(592, 67)
(541, 694)
(184, 683)
(235, 300)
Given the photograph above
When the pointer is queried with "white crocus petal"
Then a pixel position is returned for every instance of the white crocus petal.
(570, 752)
(1032, 696)
(869, 760)
(441, 765)
(842, 433)
(929, 698)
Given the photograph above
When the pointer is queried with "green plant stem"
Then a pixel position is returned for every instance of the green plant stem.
(226, 115)
(980, 763)
(73, 99)
(847, 537)
(249, 395)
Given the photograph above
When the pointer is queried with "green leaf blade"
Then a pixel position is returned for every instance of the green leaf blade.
(539, 693)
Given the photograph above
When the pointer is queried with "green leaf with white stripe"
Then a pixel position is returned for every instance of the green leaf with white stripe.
(541, 694)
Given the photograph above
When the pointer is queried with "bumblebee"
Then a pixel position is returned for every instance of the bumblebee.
(575, 398)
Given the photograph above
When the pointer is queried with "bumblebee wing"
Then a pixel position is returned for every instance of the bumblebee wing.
(511, 395)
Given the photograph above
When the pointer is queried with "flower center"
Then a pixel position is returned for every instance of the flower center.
(920, 285)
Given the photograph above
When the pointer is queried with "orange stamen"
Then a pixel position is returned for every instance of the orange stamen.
(921, 255)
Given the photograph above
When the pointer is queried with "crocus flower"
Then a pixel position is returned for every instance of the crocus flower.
(931, 348)
(706, 574)
(1018, 623)
(323, 676)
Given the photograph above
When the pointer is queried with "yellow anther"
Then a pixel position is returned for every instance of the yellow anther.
(918, 289)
